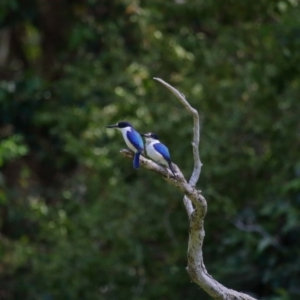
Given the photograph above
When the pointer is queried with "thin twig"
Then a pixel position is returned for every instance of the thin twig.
(256, 228)
(196, 138)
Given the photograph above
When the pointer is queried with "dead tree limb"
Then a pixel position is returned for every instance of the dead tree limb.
(196, 208)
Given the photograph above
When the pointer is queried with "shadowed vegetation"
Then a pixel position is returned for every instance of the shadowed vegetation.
(76, 220)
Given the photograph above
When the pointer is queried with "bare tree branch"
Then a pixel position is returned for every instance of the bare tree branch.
(188, 205)
(238, 223)
(196, 139)
(196, 267)
(196, 208)
(195, 144)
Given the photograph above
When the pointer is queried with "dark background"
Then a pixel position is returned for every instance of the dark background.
(76, 220)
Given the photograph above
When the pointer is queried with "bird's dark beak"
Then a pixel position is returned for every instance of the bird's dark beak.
(112, 126)
(144, 134)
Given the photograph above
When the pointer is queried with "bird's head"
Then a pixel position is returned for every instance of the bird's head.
(150, 136)
(120, 125)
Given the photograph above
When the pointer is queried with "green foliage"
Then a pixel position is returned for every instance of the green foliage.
(76, 220)
(12, 148)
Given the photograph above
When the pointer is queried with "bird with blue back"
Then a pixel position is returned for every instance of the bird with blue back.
(157, 151)
(132, 139)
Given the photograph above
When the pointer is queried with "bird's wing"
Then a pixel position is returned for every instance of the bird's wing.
(163, 150)
(135, 139)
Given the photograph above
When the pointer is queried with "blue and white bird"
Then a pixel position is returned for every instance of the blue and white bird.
(132, 139)
(158, 151)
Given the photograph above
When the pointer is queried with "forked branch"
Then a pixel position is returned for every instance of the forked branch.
(196, 208)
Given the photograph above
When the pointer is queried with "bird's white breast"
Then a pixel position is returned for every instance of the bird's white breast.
(128, 143)
(153, 154)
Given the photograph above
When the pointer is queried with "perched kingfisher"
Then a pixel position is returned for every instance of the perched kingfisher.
(132, 139)
(157, 151)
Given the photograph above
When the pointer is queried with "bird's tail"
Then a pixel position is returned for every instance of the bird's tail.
(171, 168)
(136, 160)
